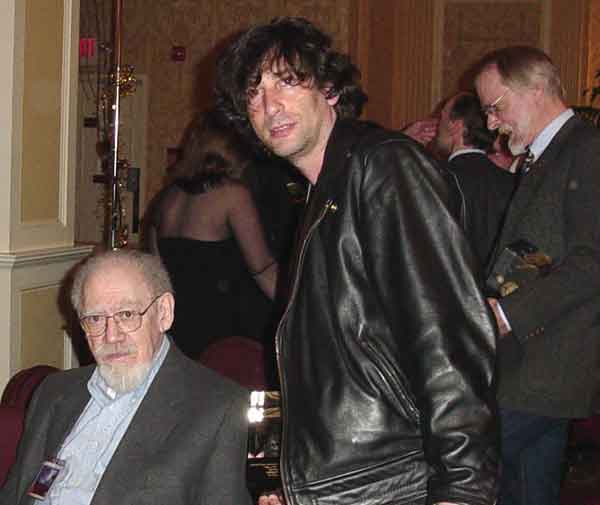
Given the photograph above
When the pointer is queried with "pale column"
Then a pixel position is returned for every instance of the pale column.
(7, 36)
(38, 90)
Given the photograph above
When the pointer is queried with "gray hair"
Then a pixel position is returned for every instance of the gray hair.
(524, 67)
(150, 267)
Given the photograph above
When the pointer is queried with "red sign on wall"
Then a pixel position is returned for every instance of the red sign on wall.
(87, 47)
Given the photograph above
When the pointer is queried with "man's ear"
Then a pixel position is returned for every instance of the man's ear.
(539, 93)
(456, 125)
(166, 311)
(331, 99)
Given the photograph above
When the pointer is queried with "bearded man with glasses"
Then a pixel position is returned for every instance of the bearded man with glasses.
(548, 323)
(146, 424)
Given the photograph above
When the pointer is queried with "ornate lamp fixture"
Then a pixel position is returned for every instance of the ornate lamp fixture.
(121, 83)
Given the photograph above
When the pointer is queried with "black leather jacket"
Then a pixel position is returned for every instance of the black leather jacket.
(386, 349)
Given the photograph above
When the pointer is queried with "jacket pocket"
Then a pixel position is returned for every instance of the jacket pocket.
(399, 481)
(393, 384)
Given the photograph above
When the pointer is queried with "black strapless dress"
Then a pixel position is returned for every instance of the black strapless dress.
(215, 296)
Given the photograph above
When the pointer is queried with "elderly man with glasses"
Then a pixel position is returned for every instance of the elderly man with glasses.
(145, 424)
(548, 322)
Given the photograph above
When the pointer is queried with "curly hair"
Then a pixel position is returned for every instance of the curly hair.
(286, 44)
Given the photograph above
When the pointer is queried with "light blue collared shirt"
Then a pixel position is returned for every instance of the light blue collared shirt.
(90, 446)
(539, 144)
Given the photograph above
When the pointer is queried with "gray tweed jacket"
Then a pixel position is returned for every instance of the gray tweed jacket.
(550, 365)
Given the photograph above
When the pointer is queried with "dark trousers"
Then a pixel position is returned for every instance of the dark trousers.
(532, 450)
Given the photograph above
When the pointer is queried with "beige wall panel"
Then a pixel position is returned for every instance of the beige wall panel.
(569, 47)
(42, 337)
(42, 110)
(413, 42)
(335, 17)
(471, 29)
(378, 65)
(593, 48)
(31, 327)
(6, 328)
(394, 51)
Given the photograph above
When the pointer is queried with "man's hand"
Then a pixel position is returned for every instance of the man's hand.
(503, 327)
(271, 499)
(423, 131)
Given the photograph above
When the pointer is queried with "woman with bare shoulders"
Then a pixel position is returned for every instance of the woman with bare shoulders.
(208, 233)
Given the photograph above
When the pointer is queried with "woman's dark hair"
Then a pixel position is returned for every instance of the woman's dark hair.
(212, 152)
(290, 45)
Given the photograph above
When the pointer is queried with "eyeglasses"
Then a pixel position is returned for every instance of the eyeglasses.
(493, 107)
(128, 321)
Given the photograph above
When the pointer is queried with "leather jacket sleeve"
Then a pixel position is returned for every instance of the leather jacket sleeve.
(442, 343)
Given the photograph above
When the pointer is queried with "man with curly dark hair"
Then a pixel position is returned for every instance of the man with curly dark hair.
(386, 350)
(306, 58)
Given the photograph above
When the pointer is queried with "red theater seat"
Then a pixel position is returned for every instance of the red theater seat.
(238, 358)
(15, 399)
(20, 387)
(11, 428)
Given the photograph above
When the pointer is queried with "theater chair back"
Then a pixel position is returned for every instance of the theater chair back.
(15, 399)
(11, 429)
(238, 358)
(20, 387)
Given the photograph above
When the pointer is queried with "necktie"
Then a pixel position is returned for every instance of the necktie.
(526, 162)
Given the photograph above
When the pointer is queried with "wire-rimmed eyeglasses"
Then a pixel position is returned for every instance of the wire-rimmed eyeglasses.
(493, 107)
(127, 321)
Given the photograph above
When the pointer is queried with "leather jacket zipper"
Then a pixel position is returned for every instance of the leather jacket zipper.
(329, 205)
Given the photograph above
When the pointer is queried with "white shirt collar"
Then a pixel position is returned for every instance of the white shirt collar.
(466, 150)
(543, 139)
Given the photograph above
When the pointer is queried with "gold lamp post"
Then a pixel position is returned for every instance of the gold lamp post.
(122, 82)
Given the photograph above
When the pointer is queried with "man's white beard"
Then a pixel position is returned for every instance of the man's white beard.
(124, 378)
(516, 145)
(516, 148)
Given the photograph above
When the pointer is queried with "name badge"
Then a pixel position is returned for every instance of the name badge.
(45, 477)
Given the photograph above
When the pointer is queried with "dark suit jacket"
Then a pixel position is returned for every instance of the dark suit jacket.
(486, 190)
(185, 445)
(556, 319)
